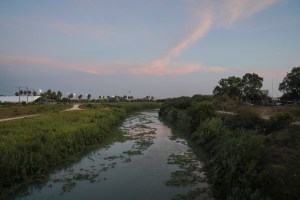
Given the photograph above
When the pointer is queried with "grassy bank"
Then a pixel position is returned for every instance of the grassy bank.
(30, 147)
(13, 110)
(249, 158)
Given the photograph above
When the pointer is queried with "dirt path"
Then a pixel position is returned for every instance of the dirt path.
(15, 118)
(75, 107)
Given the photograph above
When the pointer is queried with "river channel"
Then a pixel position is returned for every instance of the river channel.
(149, 164)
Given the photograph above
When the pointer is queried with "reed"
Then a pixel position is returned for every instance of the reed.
(30, 147)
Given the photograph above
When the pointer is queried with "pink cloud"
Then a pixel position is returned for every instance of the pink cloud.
(156, 68)
(230, 11)
(203, 27)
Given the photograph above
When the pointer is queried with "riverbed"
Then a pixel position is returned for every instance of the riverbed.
(148, 164)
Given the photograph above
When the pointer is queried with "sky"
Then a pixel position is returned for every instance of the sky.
(161, 48)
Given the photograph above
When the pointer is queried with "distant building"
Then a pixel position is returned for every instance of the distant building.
(17, 99)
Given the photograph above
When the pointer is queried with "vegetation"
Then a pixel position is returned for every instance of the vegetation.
(30, 147)
(290, 85)
(12, 110)
(246, 88)
(249, 158)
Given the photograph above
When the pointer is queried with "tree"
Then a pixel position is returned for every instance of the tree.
(53, 96)
(252, 84)
(59, 95)
(80, 96)
(34, 93)
(21, 92)
(49, 93)
(70, 96)
(29, 92)
(232, 86)
(290, 85)
(89, 96)
(17, 93)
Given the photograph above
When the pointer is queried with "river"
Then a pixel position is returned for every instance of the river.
(149, 164)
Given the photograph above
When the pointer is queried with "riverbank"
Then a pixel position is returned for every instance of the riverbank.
(147, 163)
(249, 157)
(32, 147)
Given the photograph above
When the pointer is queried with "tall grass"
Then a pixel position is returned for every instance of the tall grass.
(250, 158)
(30, 147)
(19, 110)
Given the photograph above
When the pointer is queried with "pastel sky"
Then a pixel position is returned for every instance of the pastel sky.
(162, 48)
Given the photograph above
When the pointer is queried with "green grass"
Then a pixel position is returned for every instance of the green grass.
(13, 110)
(31, 147)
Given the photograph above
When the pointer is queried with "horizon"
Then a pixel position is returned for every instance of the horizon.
(161, 49)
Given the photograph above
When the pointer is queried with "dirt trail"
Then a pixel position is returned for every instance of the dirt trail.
(75, 107)
(15, 118)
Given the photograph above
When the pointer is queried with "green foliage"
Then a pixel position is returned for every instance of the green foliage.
(247, 87)
(199, 112)
(245, 118)
(31, 147)
(231, 86)
(244, 163)
(279, 121)
(29, 109)
(290, 85)
(208, 131)
(281, 175)
(187, 113)
(235, 163)
(252, 84)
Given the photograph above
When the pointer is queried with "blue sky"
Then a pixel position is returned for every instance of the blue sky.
(161, 48)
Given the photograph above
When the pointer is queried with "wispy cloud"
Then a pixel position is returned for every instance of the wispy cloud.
(220, 13)
(203, 27)
(231, 11)
(101, 68)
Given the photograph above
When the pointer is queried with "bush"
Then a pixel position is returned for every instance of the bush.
(234, 167)
(208, 131)
(245, 118)
(281, 120)
(198, 113)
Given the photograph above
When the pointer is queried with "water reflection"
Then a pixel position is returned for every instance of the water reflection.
(139, 168)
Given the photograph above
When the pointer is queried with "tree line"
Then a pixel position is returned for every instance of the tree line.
(248, 88)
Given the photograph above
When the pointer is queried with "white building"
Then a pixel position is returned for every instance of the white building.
(17, 99)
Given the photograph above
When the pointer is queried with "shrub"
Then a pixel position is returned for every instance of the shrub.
(235, 164)
(198, 113)
(281, 120)
(245, 118)
(208, 131)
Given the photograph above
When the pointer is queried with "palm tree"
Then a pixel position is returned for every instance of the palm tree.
(49, 92)
(59, 95)
(34, 93)
(21, 92)
(89, 96)
(29, 93)
(70, 96)
(80, 96)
